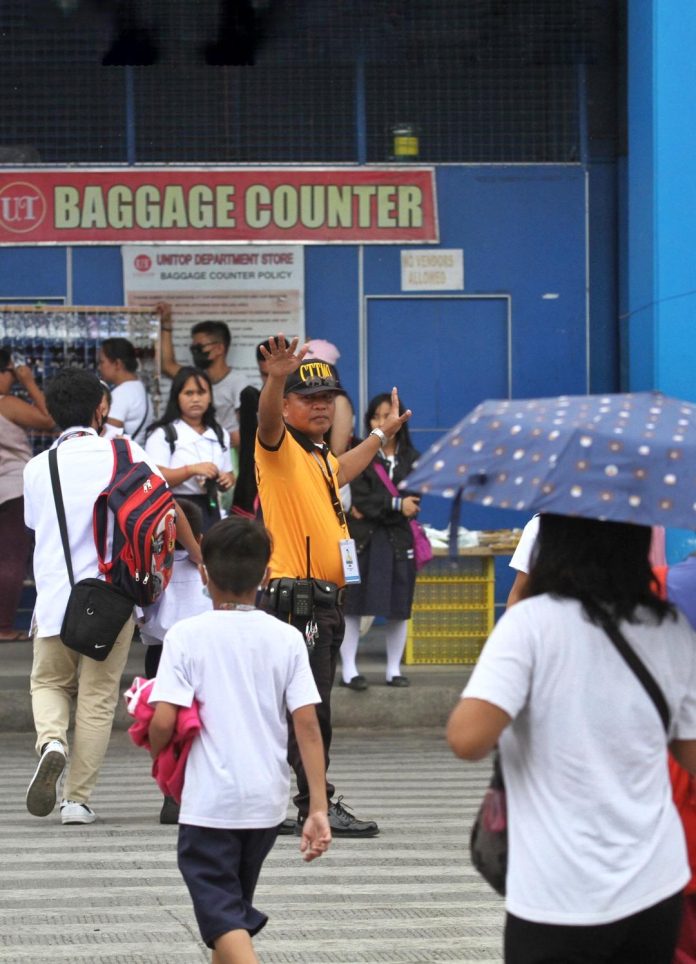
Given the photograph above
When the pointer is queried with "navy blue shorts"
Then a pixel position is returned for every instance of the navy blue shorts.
(220, 869)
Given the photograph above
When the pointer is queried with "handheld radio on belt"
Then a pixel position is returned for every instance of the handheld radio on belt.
(303, 604)
(302, 594)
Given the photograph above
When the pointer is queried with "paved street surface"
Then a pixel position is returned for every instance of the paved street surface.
(111, 893)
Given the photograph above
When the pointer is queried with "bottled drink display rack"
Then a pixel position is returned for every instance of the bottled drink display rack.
(51, 337)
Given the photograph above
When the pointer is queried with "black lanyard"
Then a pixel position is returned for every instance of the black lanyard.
(329, 480)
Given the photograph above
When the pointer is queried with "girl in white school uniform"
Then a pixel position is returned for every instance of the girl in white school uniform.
(130, 408)
(190, 447)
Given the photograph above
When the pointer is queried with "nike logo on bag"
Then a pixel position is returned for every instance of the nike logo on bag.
(100, 645)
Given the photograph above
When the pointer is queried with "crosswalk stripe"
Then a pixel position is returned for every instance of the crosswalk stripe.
(111, 893)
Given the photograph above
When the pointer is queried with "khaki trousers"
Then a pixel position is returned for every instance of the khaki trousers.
(59, 677)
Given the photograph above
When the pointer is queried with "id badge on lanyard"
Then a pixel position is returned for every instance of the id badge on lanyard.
(349, 559)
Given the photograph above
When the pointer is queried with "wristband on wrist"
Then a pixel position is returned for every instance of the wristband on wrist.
(166, 328)
(379, 434)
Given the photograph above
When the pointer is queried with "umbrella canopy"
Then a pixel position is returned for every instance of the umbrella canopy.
(626, 458)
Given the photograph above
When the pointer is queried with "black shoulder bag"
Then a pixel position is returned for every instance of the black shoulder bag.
(488, 844)
(96, 611)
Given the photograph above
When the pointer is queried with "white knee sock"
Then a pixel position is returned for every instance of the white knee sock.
(349, 648)
(396, 643)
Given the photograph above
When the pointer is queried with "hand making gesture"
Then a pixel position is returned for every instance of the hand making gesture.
(282, 360)
(358, 458)
(394, 421)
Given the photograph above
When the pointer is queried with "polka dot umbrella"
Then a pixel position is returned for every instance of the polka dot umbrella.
(626, 458)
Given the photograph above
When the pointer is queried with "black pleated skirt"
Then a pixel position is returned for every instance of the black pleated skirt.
(387, 581)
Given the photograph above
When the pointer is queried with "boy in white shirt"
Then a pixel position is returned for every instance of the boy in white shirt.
(247, 670)
(184, 597)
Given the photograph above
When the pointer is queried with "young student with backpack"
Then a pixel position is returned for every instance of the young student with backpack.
(190, 447)
(247, 671)
(60, 676)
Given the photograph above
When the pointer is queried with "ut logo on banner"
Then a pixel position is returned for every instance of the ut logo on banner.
(22, 207)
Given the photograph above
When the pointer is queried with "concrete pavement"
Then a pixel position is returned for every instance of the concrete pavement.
(111, 893)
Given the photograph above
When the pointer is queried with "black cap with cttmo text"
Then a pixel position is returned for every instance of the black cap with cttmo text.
(313, 377)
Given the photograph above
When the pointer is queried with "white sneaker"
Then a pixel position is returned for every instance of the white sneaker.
(41, 795)
(73, 812)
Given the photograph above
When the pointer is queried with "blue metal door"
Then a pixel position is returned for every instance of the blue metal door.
(445, 354)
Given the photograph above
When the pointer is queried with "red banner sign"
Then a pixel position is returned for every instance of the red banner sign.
(271, 205)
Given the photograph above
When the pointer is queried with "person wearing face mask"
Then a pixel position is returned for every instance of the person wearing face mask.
(210, 343)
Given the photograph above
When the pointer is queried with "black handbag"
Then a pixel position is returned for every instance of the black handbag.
(97, 611)
(488, 843)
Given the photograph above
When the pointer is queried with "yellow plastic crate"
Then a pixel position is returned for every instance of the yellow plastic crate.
(453, 610)
(449, 622)
(461, 568)
(443, 649)
(452, 593)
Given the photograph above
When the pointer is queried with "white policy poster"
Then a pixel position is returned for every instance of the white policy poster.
(258, 290)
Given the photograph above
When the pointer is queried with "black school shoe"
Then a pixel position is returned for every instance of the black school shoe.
(287, 827)
(357, 683)
(343, 823)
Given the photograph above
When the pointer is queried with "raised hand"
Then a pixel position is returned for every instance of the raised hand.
(283, 359)
(164, 310)
(394, 421)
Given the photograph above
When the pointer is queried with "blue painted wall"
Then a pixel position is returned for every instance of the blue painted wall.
(661, 293)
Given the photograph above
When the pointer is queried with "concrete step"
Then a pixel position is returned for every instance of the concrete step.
(427, 702)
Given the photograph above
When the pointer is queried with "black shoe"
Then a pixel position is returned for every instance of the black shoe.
(287, 827)
(358, 683)
(170, 811)
(344, 824)
(399, 681)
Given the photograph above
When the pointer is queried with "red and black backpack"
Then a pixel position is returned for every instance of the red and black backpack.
(144, 528)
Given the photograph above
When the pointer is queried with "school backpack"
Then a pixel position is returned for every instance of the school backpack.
(138, 507)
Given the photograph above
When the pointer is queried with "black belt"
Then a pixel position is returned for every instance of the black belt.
(281, 593)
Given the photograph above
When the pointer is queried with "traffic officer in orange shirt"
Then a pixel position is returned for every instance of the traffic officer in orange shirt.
(313, 554)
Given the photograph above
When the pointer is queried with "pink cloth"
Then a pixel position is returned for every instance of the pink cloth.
(169, 766)
(324, 350)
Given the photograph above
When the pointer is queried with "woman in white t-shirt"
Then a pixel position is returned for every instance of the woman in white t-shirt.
(131, 410)
(597, 860)
(189, 446)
